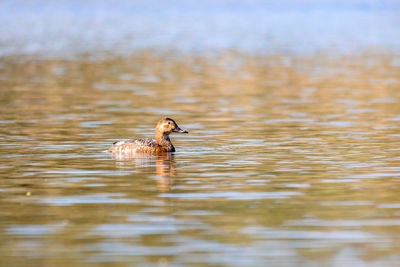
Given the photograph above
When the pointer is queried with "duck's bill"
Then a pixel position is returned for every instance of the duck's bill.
(179, 130)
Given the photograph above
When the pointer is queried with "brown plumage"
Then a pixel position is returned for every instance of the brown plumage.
(161, 144)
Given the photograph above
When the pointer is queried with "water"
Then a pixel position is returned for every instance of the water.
(64, 28)
(288, 161)
(292, 158)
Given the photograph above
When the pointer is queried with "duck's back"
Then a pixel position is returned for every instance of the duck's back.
(142, 145)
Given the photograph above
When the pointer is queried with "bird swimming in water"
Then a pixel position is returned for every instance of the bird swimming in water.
(161, 144)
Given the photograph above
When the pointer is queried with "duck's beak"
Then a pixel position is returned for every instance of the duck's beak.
(179, 130)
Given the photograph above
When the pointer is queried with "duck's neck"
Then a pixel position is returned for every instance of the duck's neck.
(164, 141)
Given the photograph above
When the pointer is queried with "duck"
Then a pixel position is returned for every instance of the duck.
(161, 144)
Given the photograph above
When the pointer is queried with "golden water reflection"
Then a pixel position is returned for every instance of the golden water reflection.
(161, 164)
(292, 160)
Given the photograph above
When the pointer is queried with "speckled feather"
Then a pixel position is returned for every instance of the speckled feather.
(134, 145)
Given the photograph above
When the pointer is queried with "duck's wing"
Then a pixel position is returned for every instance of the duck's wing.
(144, 142)
(133, 145)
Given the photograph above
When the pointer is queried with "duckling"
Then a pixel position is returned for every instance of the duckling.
(161, 144)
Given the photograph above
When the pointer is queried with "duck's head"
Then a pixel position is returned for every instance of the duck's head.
(167, 126)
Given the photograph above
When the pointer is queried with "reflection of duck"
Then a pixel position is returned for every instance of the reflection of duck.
(161, 144)
(164, 164)
(165, 172)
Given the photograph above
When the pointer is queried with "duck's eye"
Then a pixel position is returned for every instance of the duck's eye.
(169, 122)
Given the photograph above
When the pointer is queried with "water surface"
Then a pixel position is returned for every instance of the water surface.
(289, 161)
(292, 156)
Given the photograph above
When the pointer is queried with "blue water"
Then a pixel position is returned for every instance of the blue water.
(68, 28)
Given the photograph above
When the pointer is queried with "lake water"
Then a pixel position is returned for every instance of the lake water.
(292, 156)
